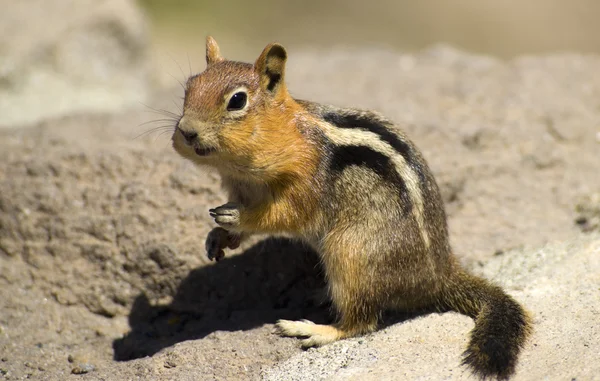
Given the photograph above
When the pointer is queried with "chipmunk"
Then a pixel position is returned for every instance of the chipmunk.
(354, 187)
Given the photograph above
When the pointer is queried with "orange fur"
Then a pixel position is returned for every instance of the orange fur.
(270, 151)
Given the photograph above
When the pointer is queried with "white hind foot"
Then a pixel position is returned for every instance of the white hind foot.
(316, 334)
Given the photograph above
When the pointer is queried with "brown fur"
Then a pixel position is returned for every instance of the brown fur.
(354, 187)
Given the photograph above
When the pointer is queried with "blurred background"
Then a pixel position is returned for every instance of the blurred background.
(63, 56)
(501, 28)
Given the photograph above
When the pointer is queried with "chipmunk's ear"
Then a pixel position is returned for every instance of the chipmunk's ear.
(270, 65)
(213, 54)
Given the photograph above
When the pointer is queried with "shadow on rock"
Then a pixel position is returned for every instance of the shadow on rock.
(276, 278)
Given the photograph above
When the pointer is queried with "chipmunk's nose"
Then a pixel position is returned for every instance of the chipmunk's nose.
(189, 136)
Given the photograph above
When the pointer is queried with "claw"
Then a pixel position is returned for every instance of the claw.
(227, 215)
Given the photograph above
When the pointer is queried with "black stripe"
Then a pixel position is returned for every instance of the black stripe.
(345, 156)
(274, 79)
(370, 123)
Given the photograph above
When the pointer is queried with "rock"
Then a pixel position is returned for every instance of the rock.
(81, 363)
(63, 56)
(83, 368)
(588, 210)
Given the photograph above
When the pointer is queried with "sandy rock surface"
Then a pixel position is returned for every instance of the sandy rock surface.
(58, 57)
(563, 347)
(103, 273)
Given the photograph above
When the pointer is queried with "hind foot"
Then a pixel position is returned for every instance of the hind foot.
(316, 334)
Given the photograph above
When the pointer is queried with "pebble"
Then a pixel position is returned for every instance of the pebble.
(83, 368)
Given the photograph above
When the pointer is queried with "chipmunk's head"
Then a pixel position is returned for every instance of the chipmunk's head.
(233, 111)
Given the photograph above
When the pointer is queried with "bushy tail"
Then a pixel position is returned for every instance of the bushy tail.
(501, 324)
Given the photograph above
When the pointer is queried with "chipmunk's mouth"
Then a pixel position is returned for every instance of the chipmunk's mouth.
(201, 151)
(190, 140)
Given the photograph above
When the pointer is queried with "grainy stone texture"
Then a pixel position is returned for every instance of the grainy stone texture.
(101, 235)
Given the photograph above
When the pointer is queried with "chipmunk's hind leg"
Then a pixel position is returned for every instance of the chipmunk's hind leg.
(354, 292)
(357, 317)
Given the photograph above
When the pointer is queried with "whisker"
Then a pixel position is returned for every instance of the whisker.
(162, 133)
(166, 143)
(178, 81)
(159, 135)
(180, 69)
(164, 129)
(174, 103)
(158, 110)
(158, 120)
(162, 111)
(170, 113)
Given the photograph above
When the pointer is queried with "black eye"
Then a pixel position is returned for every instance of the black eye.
(237, 101)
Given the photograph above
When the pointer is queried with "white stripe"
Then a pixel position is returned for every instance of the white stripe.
(356, 136)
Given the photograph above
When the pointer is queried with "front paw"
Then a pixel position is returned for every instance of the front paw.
(219, 239)
(228, 215)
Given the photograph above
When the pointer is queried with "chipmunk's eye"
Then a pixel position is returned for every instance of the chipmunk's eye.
(237, 101)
